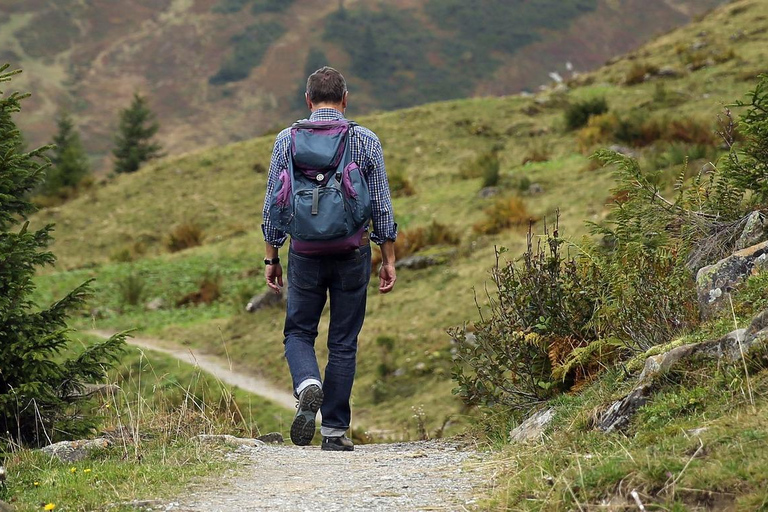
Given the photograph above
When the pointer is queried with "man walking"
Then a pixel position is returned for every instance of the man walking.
(314, 276)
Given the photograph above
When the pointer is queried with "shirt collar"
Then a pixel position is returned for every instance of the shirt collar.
(326, 114)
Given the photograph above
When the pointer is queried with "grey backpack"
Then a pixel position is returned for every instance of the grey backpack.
(322, 198)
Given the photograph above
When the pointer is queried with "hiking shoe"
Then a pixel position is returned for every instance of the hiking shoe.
(338, 444)
(303, 426)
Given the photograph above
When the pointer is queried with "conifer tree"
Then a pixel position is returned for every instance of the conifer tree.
(37, 382)
(69, 160)
(133, 142)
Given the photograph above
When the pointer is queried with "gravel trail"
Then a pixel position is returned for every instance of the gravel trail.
(427, 475)
(213, 365)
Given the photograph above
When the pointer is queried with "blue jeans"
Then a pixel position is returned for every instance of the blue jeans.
(310, 281)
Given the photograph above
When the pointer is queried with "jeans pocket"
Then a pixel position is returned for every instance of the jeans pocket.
(303, 272)
(355, 272)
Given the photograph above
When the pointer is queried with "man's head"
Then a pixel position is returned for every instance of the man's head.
(326, 87)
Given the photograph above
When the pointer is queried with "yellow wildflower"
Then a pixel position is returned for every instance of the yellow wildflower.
(87, 470)
(37, 484)
(72, 470)
(49, 506)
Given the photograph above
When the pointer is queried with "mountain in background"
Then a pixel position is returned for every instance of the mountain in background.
(217, 71)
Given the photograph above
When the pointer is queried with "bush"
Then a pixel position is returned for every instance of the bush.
(131, 289)
(486, 166)
(505, 213)
(399, 184)
(41, 376)
(249, 48)
(185, 236)
(578, 114)
(639, 72)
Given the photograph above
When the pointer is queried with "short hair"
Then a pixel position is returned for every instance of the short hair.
(326, 85)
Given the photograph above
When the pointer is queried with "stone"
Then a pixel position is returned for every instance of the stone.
(416, 262)
(535, 189)
(715, 281)
(74, 451)
(488, 192)
(6, 507)
(229, 440)
(668, 72)
(730, 349)
(755, 231)
(268, 299)
(532, 428)
(272, 438)
(155, 304)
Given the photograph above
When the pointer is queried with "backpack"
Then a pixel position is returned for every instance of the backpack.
(322, 198)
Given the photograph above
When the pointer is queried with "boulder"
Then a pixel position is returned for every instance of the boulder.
(73, 451)
(6, 507)
(755, 231)
(267, 299)
(532, 428)
(729, 349)
(715, 281)
(668, 72)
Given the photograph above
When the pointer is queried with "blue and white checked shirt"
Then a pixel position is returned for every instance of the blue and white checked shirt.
(366, 152)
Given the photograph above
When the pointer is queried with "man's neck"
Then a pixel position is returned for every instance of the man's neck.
(334, 106)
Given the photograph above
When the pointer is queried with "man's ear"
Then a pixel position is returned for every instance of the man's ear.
(344, 100)
(308, 101)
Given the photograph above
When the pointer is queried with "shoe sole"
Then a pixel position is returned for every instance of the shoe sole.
(335, 448)
(303, 426)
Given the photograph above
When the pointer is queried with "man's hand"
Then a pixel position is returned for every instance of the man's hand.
(387, 278)
(274, 275)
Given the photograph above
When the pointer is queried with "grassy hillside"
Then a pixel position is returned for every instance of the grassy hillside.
(218, 71)
(118, 233)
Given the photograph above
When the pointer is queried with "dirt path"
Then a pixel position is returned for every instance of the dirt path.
(213, 365)
(430, 475)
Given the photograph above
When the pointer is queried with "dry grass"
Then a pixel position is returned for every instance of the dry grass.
(185, 236)
(505, 213)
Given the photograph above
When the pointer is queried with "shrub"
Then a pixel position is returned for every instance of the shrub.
(577, 115)
(184, 236)
(41, 373)
(639, 72)
(486, 166)
(131, 289)
(506, 212)
(400, 185)
(536, 153)
(414, 240)
(208, 291)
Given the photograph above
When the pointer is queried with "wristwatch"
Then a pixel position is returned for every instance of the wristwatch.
(273, 261)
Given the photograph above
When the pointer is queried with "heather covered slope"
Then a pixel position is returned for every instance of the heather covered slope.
(218, 71)
(118, 232)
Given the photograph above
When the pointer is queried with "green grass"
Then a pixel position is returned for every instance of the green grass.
(161, 405)
(221, 190)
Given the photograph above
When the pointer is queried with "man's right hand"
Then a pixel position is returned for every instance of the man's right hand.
(387, 278)
(274, 276)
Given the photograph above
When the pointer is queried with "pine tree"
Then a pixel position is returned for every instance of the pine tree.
(70, 162)
(133, 142)
(37, 383)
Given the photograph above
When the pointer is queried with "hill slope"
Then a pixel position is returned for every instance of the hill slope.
(406, 357)
(218, 71)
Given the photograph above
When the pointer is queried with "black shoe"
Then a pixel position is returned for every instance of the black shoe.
(303, 426)
(338, 444)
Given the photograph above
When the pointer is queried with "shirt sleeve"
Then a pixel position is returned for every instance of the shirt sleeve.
(272, 235)
(384, 227)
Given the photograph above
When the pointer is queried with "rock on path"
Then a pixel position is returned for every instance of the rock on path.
(428, 475)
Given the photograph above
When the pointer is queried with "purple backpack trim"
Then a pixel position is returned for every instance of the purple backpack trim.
(323, 248)
(284, 196)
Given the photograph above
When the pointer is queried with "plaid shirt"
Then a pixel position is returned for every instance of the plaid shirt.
(366, 152)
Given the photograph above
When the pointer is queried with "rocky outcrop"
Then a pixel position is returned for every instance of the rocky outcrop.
(755, 231)
(730, 349)
(715, 281)
(272, 438)
(533, 428)
(73, 451)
